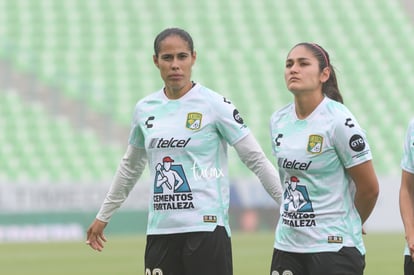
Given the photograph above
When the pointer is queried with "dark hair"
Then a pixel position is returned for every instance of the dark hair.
(330, 87)
(169, 32)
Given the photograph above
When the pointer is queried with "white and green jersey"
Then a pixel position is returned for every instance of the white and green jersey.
(186, 144)
(318, 212)
(407, 161)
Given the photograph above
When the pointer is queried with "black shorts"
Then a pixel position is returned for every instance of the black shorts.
(201, 253)
(408, 265)
(347, 261)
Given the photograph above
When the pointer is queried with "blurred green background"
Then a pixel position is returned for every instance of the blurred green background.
(72, 70)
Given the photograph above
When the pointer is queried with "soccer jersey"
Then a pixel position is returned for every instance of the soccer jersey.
(407, 161)
(186, 144)
(318, 212)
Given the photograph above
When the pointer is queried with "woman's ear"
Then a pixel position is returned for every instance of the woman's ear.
(155, 59)
(194, 57)
(326, 73)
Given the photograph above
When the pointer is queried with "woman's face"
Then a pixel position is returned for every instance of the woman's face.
(175, 62)
(302, 71)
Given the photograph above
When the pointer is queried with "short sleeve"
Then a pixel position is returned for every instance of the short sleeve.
(229, 122)
(136, 136)
(407, 161)
(350, 140)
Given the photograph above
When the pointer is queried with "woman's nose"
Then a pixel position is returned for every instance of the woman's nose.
(294, 68)
(174, 64)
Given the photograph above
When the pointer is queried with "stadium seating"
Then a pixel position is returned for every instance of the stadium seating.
(100, 52)
(37, 146)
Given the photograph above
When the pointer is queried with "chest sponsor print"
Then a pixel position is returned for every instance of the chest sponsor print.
(171, 188)
(297, 205)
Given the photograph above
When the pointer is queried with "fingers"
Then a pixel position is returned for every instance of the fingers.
(96, 242)
(95, 237)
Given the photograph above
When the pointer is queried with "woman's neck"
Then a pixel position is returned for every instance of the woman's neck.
(172, 93)
(305, 104)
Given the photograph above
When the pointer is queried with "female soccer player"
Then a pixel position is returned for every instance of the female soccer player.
(407, 198)
(325, 167)
(183, 131)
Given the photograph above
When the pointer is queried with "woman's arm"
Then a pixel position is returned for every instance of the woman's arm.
(367, 188)
(129, 171)
(255, 159)
(407, 208)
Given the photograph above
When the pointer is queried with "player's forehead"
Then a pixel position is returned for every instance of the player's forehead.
(300, 53)
(174, 44)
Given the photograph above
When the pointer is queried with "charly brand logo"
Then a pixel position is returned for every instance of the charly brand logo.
(277, 139)
(193, 121)
(148, 123)
(348, 122)
(226, 100)
(201, 173)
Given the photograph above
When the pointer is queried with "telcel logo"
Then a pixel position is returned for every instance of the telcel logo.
(168, 143)
(296, 165)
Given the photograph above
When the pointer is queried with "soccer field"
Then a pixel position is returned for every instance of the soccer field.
(124, 256)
